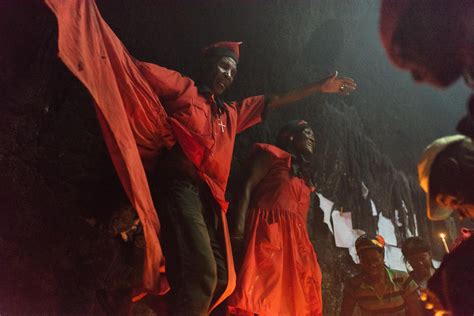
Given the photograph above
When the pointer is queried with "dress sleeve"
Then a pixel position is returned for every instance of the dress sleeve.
(251, 111)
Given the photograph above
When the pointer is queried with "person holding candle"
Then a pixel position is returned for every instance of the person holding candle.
(434, 40)
(446, 174)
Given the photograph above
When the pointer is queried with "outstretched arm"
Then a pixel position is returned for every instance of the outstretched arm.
(332, 84)
(260, 163)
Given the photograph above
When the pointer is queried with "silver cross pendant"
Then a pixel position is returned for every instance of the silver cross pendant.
(221, 125)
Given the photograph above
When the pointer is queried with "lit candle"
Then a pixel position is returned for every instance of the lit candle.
(443, 238)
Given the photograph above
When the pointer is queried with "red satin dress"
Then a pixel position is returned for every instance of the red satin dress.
(280, 274)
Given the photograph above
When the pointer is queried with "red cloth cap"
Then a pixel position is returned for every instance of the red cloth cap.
(225, 49)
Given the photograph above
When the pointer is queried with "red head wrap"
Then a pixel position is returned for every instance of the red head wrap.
(224, 49)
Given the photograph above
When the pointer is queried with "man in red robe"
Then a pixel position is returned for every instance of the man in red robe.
(148, 112)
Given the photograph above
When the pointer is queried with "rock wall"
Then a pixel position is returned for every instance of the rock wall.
(62, 205)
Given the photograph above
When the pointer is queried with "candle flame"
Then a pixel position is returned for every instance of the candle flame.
(442, 235)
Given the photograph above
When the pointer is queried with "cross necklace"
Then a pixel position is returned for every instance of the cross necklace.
(219, 121)
(221, 125)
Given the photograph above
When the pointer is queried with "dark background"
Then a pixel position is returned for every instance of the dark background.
(60, 200)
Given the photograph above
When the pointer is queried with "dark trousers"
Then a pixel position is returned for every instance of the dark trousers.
(193, 244)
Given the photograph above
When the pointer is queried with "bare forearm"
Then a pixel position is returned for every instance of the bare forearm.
(332, 84)
(294, 95)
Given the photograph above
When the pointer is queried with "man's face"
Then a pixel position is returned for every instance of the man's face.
(420, 262)
(371, 261)
(418, 39)
(465, 208)
(221, 74)
(305, 142)
(425, 68)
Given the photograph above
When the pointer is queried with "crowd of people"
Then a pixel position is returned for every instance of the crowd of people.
(172, 138)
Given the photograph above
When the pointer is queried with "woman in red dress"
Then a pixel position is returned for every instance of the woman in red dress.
(280, 274)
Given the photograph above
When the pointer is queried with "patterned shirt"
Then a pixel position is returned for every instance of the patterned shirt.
(390, 302)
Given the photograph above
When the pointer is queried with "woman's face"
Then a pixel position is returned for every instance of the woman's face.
(420, 262)
(304, 142)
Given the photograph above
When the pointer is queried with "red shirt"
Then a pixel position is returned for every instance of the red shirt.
(206, 135)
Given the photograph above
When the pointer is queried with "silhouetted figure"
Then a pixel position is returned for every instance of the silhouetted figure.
(446, 174)
(434, 40)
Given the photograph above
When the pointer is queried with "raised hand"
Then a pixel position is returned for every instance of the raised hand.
(341, 85)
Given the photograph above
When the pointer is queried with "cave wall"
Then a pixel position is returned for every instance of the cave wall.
(60, 195)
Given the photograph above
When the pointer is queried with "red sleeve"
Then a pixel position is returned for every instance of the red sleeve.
(166, 83)
(250, 112)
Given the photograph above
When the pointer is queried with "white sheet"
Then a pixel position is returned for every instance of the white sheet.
(374, 209)
(344, 235)
(365, 190)
(386, 230)
(326, 205)
(394, 258)
(416, 224)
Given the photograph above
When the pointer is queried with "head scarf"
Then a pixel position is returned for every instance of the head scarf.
(301, 166)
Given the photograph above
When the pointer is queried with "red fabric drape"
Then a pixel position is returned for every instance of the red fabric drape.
(131, 116)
